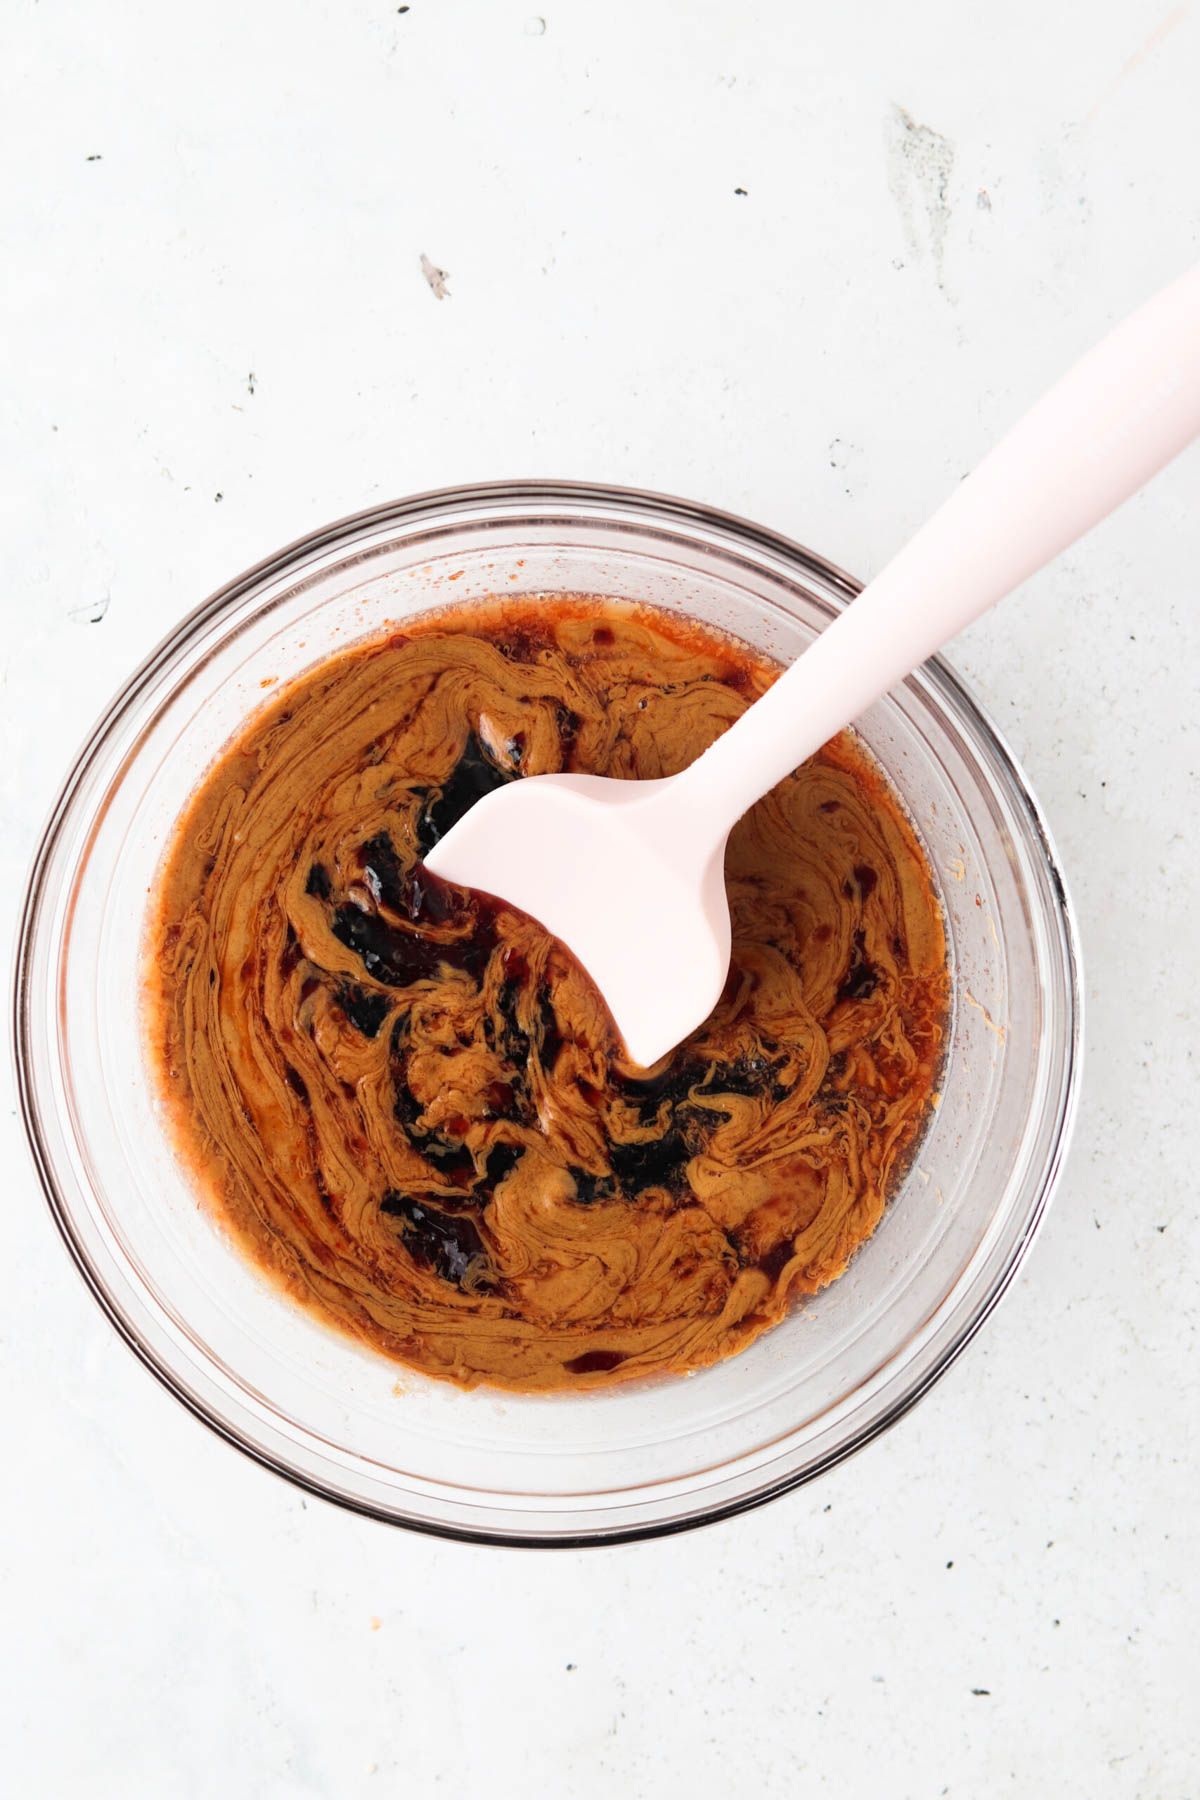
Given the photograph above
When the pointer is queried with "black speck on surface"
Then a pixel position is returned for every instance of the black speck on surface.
(981, 1691)
(570, 1666)
(437, 279)
(217, 498)
(95, 158)
(251, 382)
(92, 613)
(742, 191)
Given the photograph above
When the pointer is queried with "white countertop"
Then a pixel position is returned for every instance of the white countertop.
(217, 335)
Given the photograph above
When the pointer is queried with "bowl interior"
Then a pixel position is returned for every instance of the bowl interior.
(341, 1418)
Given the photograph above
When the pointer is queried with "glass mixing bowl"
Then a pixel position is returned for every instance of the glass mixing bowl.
(339, 1419)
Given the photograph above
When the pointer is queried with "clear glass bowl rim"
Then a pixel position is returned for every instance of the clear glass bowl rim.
(645, 507)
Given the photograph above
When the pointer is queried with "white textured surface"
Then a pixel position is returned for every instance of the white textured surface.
(827, 353)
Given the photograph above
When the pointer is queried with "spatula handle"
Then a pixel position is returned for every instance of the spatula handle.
(1112, 422)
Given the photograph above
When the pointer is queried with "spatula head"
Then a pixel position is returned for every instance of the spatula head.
(611, 869)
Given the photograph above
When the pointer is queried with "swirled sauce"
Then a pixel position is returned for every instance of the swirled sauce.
(408, 1103)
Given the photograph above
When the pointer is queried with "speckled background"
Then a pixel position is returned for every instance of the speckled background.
(266, 263)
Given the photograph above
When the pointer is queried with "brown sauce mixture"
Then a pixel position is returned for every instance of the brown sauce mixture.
(409, 1104)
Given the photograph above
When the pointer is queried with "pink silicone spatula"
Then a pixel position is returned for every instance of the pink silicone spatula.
(630, 874)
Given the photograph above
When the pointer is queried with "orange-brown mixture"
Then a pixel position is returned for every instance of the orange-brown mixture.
(409, 1104)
